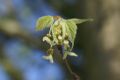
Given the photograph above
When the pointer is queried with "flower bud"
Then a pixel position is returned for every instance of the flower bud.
(49, 35)
(49, 57)
(47, 39)
(66, 42)
(60, 38)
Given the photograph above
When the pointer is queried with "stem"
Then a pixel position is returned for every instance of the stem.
(74, 75)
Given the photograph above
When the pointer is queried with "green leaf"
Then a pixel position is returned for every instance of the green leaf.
(44, 22)
(63, 24)
(71, 30)
(79, 21)
(49, 57)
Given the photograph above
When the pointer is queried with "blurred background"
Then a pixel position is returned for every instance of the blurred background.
(97, 43)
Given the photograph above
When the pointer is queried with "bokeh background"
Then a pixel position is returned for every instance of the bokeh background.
(97, 43)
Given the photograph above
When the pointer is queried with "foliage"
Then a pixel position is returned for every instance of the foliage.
(62, 32)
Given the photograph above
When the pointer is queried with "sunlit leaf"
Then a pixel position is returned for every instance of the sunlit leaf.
(71, 30)
(63, 24)
(44, 22)
(79, 21)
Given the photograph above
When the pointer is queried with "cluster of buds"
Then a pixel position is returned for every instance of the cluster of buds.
(62, 32)
(56, 37)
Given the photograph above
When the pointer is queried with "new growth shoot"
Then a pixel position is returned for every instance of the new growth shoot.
(62, 32)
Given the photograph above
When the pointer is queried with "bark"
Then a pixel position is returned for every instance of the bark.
(102, 45)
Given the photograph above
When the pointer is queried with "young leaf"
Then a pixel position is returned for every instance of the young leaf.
(71, 30)
(79, 21)
(70, 54)
(44, 22)
(63, 24)
(49, 57)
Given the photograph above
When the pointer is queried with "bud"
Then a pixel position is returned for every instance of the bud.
(47, 39)
(60, 38)
(66, 36)
(49, 35)
(66, 42)
(49, 57)
(56, 17)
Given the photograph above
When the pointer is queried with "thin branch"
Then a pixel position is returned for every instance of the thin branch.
(18, 32)
(74, 75)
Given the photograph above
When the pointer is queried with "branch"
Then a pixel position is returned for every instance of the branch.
(74, 75)
(12, 71)
(12, 29)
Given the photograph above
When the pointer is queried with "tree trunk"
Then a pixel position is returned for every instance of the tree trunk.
(102, 50)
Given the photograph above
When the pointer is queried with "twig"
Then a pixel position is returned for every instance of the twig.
(74, 75)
